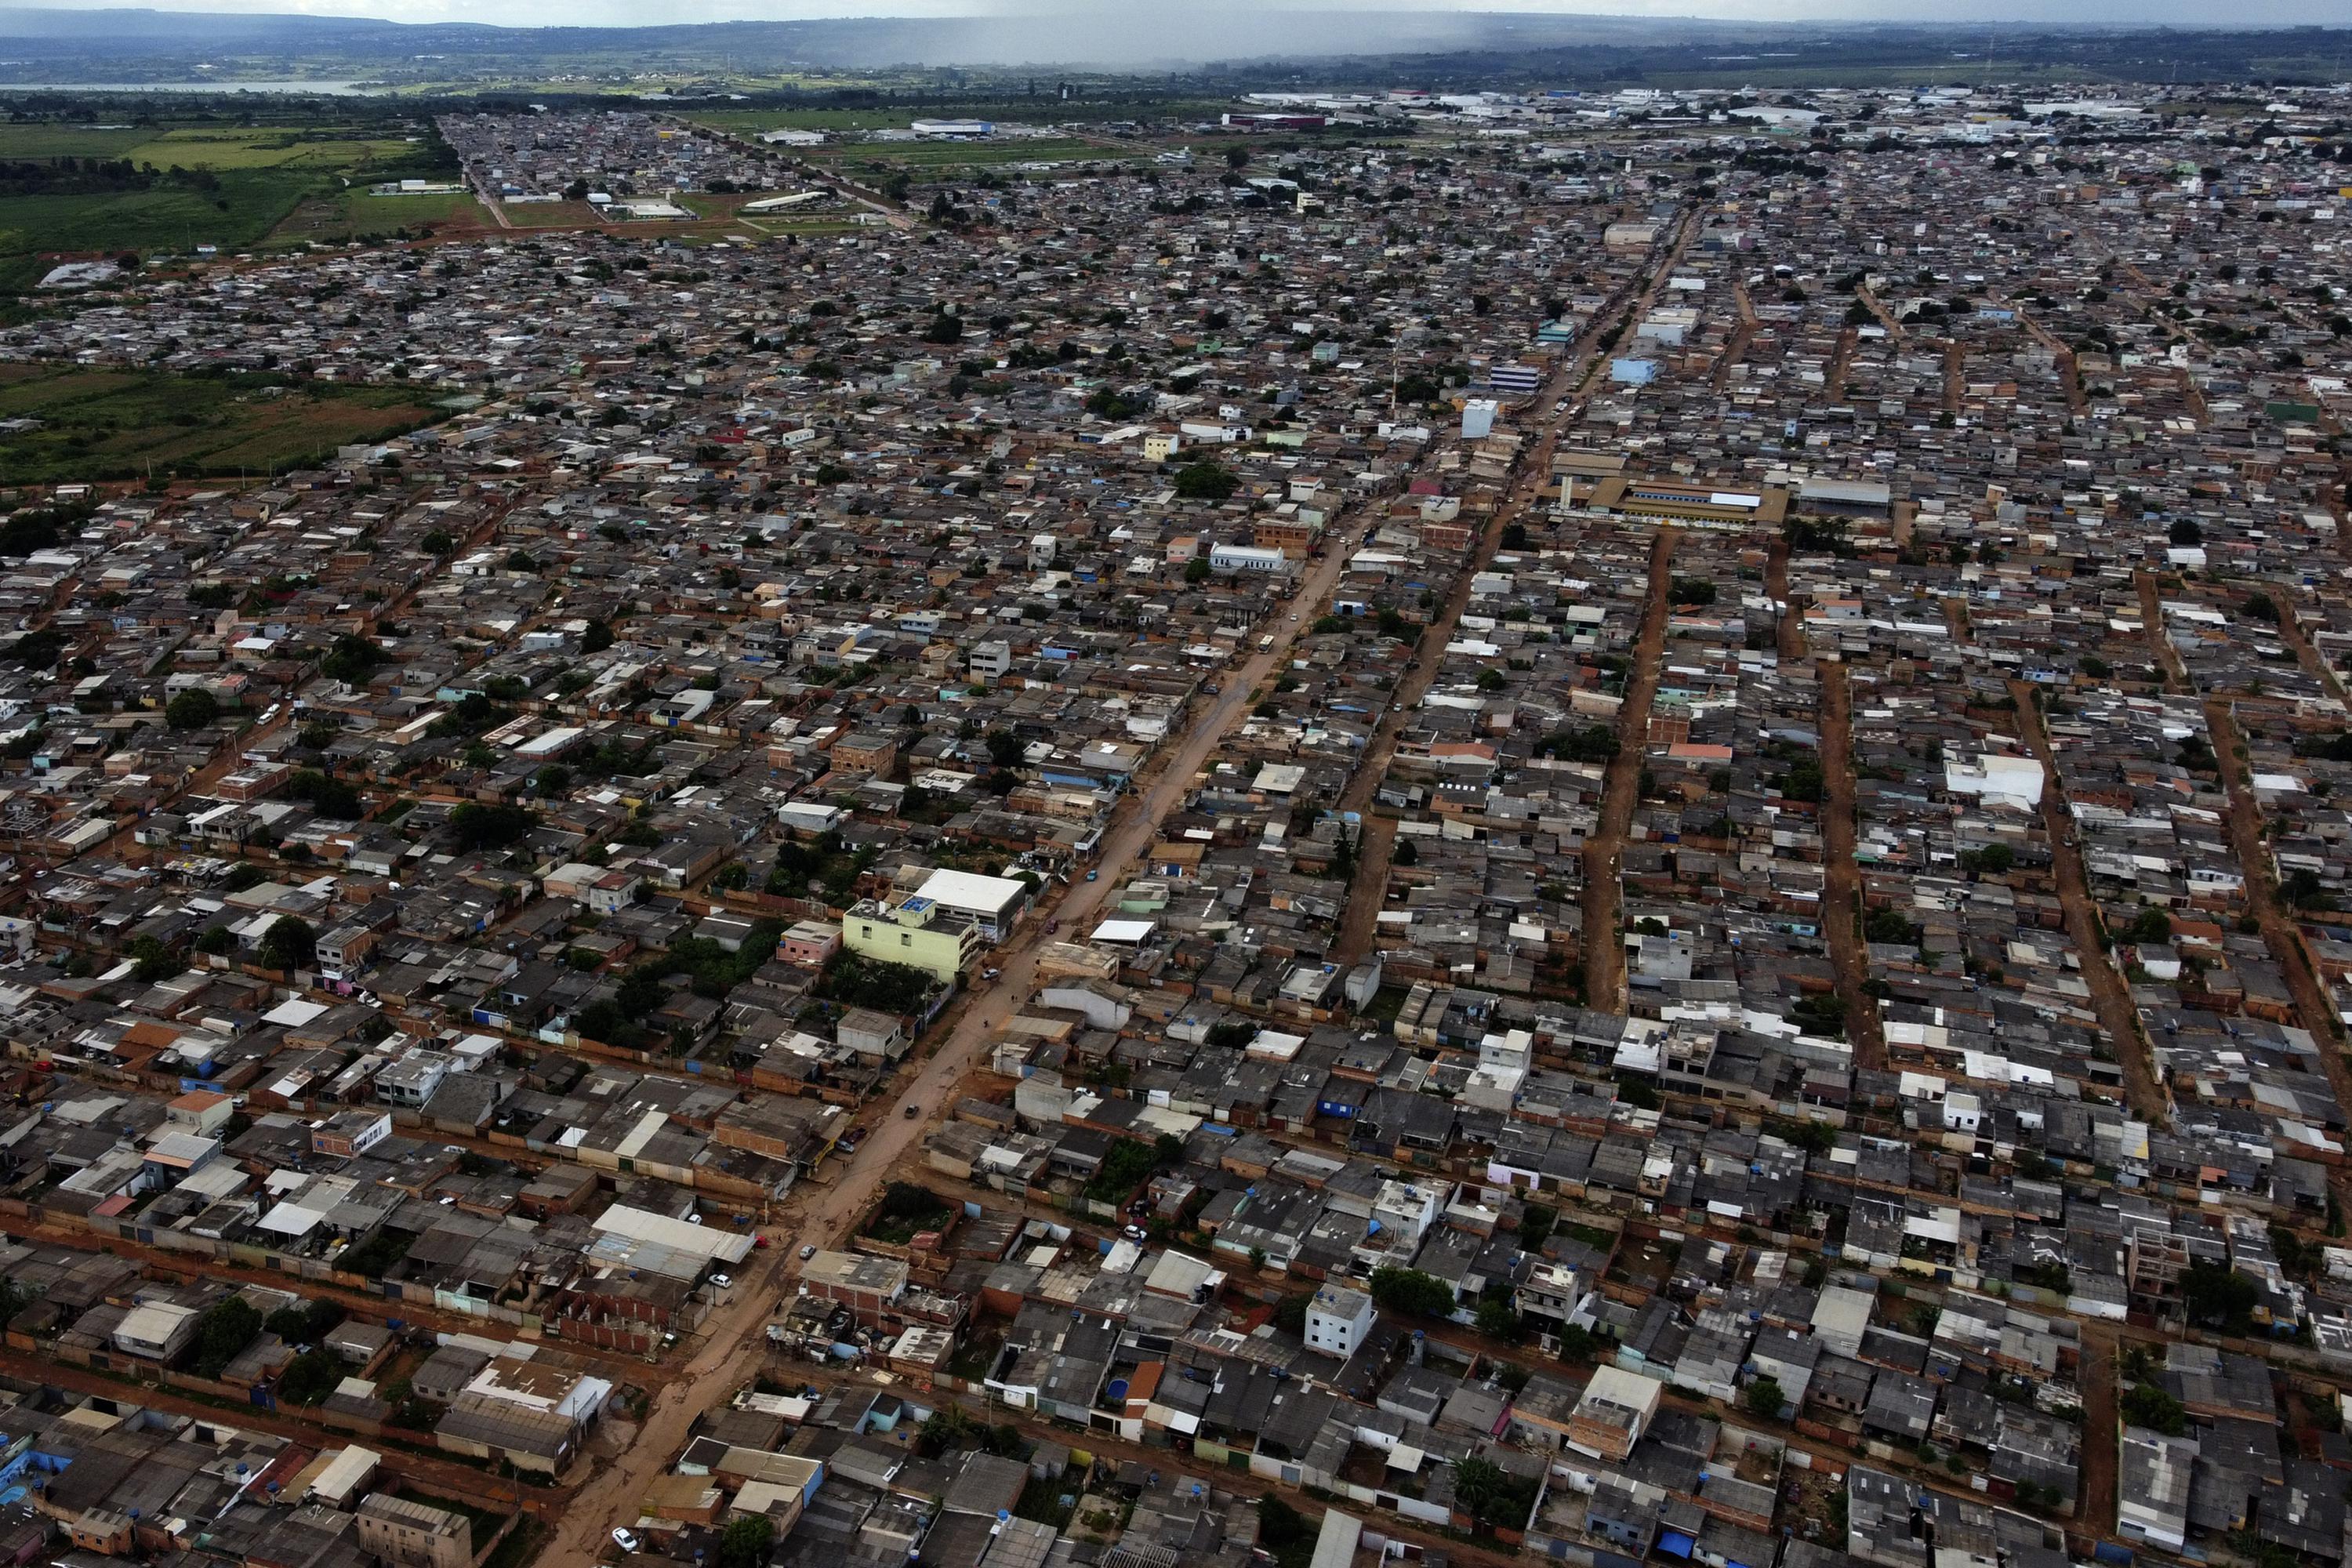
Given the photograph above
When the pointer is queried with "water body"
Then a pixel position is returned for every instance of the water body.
(316, 89)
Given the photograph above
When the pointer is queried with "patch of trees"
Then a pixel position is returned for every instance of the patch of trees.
(96, 177)
(855, 981)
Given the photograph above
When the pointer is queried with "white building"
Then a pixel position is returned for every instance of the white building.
(1247, 558)
(993, 903)
(1337, 1319)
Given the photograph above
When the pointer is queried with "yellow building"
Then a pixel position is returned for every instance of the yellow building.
(917, 932)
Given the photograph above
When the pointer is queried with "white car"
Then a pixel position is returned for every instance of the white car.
(721, 1281)
(624, 1539)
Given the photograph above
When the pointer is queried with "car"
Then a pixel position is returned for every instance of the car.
(722, 1280)
(1092, 874)
(694, 1219)
(624, 1539)
(1135, 1233)
(990, 974)
(913, 1110)
(808, 1251)
(758, 1244)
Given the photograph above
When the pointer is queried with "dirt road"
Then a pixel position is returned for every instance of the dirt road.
(1605, 852)
(2110, 997)
(1842, 881)
(733, 1347)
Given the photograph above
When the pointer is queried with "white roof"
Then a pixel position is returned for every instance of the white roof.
(1123, 930)
(706, 1241)
(294, 1012)
(971, 891)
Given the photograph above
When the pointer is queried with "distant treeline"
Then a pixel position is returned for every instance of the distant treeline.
(95, 176)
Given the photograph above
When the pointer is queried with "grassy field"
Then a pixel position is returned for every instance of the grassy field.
(45, 140)
(354, 214)
(127, 424)
(264, 174)
(248, 206)
(352, 151)
(554, 214)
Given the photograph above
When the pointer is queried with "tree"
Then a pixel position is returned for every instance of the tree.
(216, 940)
(226, 1327)
(1490, 1495)
(744, 1542)
(191, 710)
(1691, 591)
(1497, 1320)
(289, 943)
(150, 961)
(596, 638)
(1290, 1313)
(1196, 570)
(2144, 1405)
(2185, 531)
(481, 827)
(351, 660)
(2258, 607)
(1411, 1293)
(2217, 1294)
(1763, 1397)
(1206, 480)
(309, 1379)
(945, 328)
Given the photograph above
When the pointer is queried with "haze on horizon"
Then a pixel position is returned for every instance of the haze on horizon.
(1043, 30)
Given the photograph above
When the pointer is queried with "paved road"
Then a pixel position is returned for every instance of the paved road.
(734, 1344)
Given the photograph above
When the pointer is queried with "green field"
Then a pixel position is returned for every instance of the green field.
(130, 424)
(50, 140)
(355, 214)
(239, 183)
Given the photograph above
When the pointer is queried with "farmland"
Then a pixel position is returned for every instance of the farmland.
(128, 424)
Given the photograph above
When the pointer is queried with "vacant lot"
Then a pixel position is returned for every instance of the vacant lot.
(128, 424)
(553, 215)
(355, 214)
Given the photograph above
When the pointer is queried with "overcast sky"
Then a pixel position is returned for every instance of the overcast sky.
(1224, 28)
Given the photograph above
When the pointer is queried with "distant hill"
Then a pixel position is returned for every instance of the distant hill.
(1266, 45)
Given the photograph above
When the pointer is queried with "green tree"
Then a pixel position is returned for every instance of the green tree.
(191, 710)
(2144, 1405)
(1196, 570)
(744, 1542)
(351, 660)
(1206, 480)
(1411, 1293)
(596, 638)
(1497, 1320)
(478, 826)
(1763, 1397)
(2216, 1294)
(288, 944)
(150, 962)
(222, 1331)
(1490, 1495)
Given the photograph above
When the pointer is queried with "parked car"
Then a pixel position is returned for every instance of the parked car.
(624, 1539)
(722, 1282)
(913, 1110)
(808, 1251)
